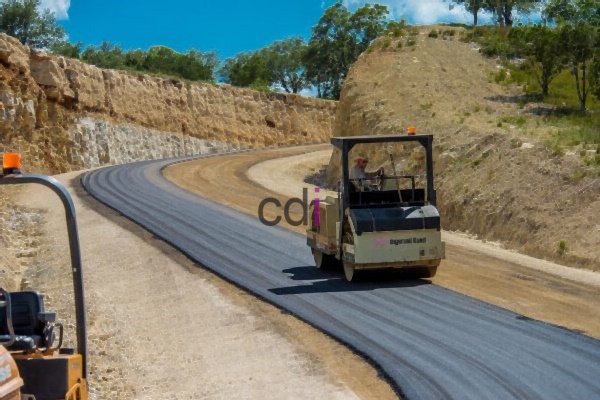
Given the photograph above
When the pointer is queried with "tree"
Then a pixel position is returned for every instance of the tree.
(503, 9)
(595, 75)
(542, 45)
(67, 49)
(246, 69)
(23, 20)
(284, 61)
(579, 43)
(573, 12)
(474, 7)
(106, 55)
(336, 42)
(194, 65)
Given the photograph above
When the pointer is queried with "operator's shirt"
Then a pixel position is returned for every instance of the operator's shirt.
(357, 173)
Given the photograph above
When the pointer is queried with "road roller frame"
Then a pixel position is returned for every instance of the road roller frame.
(28, 332)
(389, 228)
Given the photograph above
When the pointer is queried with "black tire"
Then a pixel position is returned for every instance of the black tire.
(418, 272)
(429, 272)
(324, 261)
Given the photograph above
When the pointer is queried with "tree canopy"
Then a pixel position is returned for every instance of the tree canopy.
(501, 9)
(284, 61)
(23, 20)
(246, 69)
(279, 64)
(337, 40)
(193, 65)
(573, 11)
(542, 45)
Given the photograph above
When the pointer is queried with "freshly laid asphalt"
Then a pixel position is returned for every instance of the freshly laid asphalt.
(431, 343)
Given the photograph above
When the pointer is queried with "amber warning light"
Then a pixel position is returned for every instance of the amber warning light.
(11, 163)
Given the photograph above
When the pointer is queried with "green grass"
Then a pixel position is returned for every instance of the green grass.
(519, 121)
(493, 41)
(426, 106)
(555, 148)
(575, 129)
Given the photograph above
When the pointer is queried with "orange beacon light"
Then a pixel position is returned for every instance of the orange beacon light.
(11, 163)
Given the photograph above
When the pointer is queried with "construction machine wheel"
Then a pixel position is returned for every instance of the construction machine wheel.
(324, 261)
(429, 272)
(350, 271)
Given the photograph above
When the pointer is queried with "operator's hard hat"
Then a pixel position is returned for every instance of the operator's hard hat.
(412, 130)
(361, 157)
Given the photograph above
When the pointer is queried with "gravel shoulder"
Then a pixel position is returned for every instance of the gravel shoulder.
(161, 327)
(534, 288)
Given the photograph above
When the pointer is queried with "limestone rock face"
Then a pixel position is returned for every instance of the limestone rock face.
(96, 143)
(49, 75)
(87, 82)
(13, 53)
(44, 102)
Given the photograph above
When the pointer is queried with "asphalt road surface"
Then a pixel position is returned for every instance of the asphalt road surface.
(432, 343)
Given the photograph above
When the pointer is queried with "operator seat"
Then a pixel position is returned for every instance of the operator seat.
(27, 309)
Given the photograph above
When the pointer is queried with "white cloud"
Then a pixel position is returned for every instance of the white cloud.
(424, 12)
(60, 8)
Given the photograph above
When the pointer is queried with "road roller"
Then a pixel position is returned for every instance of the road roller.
(383, 218)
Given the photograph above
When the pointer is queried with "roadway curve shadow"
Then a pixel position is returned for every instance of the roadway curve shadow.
(324, 281)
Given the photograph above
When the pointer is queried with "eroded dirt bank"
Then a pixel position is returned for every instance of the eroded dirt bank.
(500, 174)
(471, 268)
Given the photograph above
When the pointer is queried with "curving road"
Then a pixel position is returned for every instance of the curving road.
(431, 342)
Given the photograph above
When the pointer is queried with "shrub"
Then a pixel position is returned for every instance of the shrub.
(433, 34)
(500, 76)
(562, 247)
(449, 32)
(386, 42)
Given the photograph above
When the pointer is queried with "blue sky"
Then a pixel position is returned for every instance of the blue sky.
(228, 27)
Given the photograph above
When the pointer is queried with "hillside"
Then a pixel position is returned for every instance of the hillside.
(498, 176)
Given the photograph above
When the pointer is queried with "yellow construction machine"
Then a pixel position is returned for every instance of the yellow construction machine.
(33, 363)
(387, 219)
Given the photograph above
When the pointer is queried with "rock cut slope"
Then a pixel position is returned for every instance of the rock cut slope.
(66, 115)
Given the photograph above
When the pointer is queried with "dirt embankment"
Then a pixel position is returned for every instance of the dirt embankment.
(44, 98)
(495, 180)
